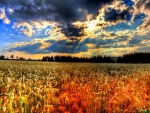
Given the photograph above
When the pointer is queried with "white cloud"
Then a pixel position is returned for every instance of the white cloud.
(39, 25)
(3, 16)
(6, 21)
(2, 13)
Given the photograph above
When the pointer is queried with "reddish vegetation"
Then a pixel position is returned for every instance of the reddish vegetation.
(124, 95)
(75, 94)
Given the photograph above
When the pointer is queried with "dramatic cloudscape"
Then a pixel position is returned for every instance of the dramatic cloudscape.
(36, 28)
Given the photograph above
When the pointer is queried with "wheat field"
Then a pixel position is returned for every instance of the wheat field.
(50, 87)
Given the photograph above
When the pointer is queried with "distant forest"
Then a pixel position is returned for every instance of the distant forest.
(134, 58)
(137, 57)
(96, 59)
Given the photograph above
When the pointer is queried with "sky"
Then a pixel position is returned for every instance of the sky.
(83, 28)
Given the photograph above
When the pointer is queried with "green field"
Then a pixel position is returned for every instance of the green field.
(44, 87)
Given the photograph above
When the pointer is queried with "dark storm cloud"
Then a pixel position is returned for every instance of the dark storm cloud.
(71, 30)
(148, 5)
(53, 10)
(93, 5)
(114, 16)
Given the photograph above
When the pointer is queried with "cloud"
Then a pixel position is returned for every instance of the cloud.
(77, 26)
(3, 16)
(115, 44)
(26, 28)
(33, 28)
(45, 45)
(71, 10)
(122, 26)
(113, 51)
(72, 30)
(140, 40)
(93, 6)
(6, 21)
(113, 15)
(27, 12)
(134, 41)
(91, 45)
(144, 48)
(143, 7)
(64, 46)
(2, 13)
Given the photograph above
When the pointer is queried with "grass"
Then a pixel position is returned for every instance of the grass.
(42, 87)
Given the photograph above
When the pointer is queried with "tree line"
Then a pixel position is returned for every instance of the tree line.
(2, 57)
(96, 59)
(137, 57)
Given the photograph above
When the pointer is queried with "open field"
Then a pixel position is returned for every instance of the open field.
(43, 87)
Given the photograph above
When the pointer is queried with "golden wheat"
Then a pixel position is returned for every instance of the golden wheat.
(43, 87)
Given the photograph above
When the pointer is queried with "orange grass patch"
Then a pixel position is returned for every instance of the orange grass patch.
(73, 89)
